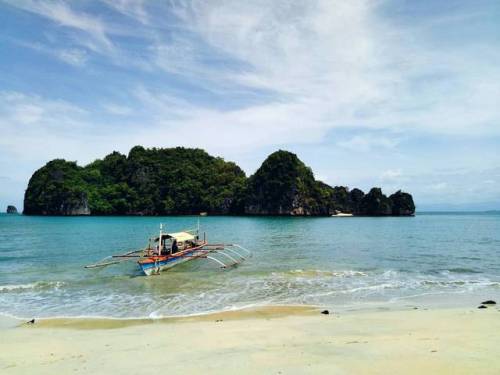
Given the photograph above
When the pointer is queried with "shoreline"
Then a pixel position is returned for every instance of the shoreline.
(439, 301)
(265, 340)
(239, 314)
(101, 322)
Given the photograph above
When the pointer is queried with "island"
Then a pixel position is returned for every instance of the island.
(11, 209)
(185, 181)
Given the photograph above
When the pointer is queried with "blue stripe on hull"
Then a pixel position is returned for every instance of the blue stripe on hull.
(149, 268)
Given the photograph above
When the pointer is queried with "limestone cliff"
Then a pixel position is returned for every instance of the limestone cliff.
(283, 185)
(57, 189)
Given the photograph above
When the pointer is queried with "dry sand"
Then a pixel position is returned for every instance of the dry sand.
(266, 341)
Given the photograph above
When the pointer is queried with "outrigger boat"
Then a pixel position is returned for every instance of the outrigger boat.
(176, 248)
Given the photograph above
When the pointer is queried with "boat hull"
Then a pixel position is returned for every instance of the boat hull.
(156, 264)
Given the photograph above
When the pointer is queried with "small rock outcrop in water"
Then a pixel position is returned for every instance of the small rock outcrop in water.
(11, 210)
(325, 312)
(482, 307)
(188, 181)
(488, 302)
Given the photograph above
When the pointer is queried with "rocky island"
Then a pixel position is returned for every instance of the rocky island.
(11, 209)
(184, 181)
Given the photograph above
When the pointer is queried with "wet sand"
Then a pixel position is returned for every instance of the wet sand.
(273, 340)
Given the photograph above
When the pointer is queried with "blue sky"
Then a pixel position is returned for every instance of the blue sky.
(397, 94)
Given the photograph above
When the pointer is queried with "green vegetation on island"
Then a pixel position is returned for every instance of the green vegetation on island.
(188, 181)
(283, 185)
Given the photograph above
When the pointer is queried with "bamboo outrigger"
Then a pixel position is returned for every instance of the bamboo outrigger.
(176, 248)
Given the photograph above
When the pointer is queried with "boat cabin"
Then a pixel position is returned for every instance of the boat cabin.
(171, 243)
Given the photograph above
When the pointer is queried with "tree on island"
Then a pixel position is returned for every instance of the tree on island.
(166, 181)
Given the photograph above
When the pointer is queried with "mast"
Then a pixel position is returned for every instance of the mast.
(159, 240)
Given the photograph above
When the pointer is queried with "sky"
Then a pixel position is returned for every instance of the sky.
(397, 94)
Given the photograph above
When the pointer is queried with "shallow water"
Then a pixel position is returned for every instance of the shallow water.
(337, 262)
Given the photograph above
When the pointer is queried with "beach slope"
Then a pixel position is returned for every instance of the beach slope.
(266, 341)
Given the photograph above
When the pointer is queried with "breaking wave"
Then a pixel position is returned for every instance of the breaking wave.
(230, 291)
(37, 285)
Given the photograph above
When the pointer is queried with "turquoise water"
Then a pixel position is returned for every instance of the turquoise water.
(336, 262)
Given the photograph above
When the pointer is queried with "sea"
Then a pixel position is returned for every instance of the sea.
(450, 259)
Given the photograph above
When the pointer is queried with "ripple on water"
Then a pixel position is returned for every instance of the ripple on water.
(296, 261)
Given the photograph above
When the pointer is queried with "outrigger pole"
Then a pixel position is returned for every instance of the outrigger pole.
(151, 262)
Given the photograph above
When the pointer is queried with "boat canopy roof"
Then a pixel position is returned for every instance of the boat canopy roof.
(179, 236)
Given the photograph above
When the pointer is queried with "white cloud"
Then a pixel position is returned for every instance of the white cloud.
(20, 108)
(130, 8)
(62, 14)
(34, 128)
(118, 110)
(295, 49)
(351, 67)
(366, 143)
(457, 186)
(321, 65)
(219, 131)
(391, 174)
(74, 56)
(329, 64)
(439, 186)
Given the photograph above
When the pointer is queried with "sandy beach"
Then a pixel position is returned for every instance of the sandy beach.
(274, 340)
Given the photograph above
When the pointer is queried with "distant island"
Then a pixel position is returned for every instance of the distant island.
(183, 181)
(11, 210)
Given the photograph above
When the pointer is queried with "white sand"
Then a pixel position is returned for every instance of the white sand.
(268, 341)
